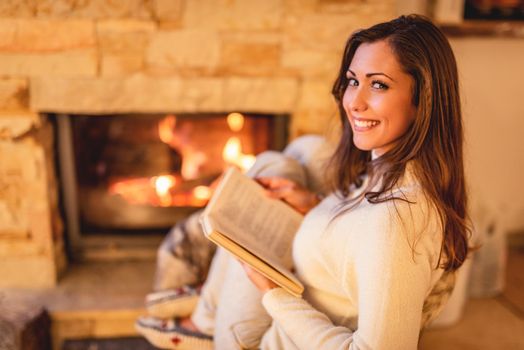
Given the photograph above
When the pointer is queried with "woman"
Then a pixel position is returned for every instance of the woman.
(378, 255)
(371, 253)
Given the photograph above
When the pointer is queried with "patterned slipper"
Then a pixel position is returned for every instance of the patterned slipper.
(168, 334)
(178, 302)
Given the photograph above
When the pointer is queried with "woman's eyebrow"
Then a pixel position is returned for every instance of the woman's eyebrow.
(372, 74)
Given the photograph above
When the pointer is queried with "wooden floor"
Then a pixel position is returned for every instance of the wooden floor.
(488, 323)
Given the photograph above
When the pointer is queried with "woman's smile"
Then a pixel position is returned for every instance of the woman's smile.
(362, 125)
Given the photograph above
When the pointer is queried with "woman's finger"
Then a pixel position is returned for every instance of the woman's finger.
(273, 182)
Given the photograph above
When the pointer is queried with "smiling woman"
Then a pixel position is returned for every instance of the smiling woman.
(378, 99)
(377, 256)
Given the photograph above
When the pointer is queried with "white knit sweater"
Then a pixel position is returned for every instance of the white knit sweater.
(365, 287)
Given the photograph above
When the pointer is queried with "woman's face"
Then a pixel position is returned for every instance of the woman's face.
(378, 99)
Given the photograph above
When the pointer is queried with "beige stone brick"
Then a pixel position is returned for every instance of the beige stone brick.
(125, 26)
(184, 48)
(322, 122)
(14, 93)
(35, 35)
(124, 36)
(299, 7)
(90, 9)
(120, 65)
(169, 10)
(21, 174)
(30, 242)
(354, 6)
(310, 63)
(28, 272)
(137, 93)
(16, 8)
(240, 14)
(329, 31)
(15, 124)
(130, 43)
(265, 95)
(175, 94)
(79, 63)
(315, 95)
(22, 246)
(250, 58)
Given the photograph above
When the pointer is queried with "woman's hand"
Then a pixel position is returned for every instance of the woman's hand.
(298, 197)
(260, 281)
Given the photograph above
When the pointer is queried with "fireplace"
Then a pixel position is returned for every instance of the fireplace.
(128, 176)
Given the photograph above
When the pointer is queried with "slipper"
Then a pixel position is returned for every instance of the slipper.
(178, 302)
(168, 334)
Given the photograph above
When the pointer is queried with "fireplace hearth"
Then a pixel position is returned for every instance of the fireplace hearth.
(138, 174)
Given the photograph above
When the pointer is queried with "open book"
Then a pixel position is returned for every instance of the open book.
(253, 227)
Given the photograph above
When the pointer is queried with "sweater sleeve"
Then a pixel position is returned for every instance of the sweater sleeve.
(391, 284)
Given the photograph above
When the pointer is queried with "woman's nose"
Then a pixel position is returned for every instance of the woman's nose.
(357, 100)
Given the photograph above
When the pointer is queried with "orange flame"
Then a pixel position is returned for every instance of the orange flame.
(163, 184)
(166, 127)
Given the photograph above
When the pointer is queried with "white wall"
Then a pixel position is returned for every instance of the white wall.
(491, 75)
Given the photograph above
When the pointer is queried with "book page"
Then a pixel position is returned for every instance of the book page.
(263, 225)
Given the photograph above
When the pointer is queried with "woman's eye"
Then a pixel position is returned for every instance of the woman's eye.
(379, 85)
(352, 82)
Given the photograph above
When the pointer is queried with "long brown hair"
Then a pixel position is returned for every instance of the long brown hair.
(433, 143)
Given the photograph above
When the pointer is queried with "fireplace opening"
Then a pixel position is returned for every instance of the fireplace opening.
(132, 174)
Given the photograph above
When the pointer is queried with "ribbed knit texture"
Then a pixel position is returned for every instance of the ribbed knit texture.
(365, 287)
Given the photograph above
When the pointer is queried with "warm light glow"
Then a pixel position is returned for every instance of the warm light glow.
(247, 161)
(166, 127)
(160, 191)
(235, 121)
(135, 191)
(232, 154)
(232, 150)
(163, 184)
(191, 163)
(202, 193)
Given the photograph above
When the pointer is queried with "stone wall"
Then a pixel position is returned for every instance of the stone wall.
(98, 56)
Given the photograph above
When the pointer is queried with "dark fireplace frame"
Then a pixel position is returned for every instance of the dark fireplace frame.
(82, 246)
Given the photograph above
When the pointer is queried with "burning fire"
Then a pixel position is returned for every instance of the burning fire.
(162, 185)
(160, 191)
(232, 153)
(166, 190)
(235, 121)
(192, 160)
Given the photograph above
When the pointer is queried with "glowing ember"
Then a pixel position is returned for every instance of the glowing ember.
(135, 191)
(232, 150)
(202, 193)
(159, 191)
(232, 154)
(163, 184)
(166, 127)
(192, 159)
(235, 121)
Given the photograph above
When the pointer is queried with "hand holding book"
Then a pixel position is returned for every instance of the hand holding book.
(298, 197)
(257, 229)
(260, 281)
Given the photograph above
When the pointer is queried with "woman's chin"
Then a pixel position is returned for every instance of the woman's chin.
(363, 146)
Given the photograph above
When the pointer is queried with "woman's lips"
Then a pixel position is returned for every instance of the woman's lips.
(364, 124)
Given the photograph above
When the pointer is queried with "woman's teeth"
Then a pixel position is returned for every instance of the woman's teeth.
(366, 123)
